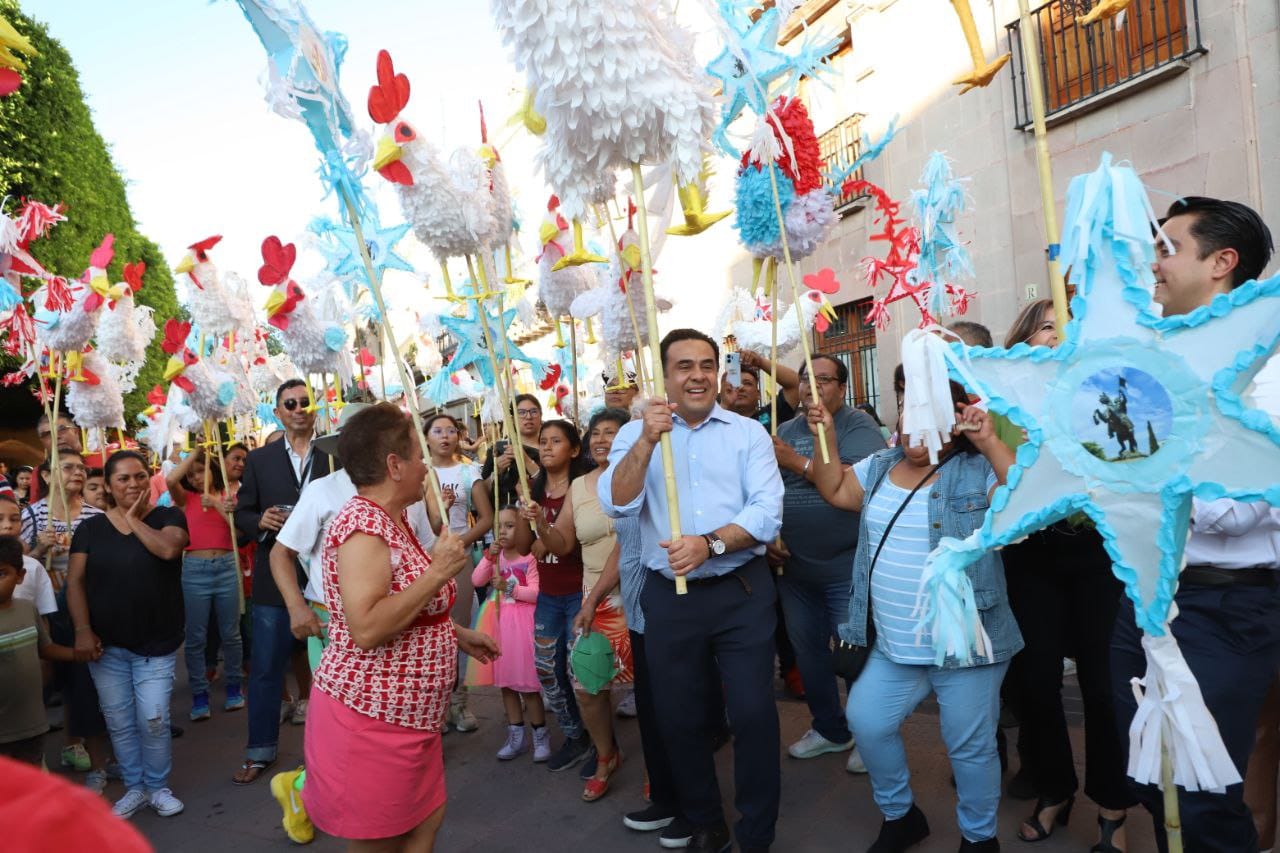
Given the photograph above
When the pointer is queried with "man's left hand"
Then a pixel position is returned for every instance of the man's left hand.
(788, 458)
(686, 553)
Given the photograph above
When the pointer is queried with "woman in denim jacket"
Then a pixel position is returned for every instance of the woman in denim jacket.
(901, 670)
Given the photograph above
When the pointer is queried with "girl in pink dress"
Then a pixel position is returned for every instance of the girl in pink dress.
(507, 615)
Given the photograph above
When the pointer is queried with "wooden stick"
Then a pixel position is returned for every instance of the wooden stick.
(795, 300)
(1035, 91)
(573, 347)
(231, 523)
(659, 381)
(631, 310)
(410, 391)
(1172, 817)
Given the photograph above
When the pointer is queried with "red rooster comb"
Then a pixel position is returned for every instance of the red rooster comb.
(484, 131)
(553, 203)
(277, 260)
(201, 249)
(133, 275)
(102, 255)
(175, 336)
(389, 97)
(157, 396)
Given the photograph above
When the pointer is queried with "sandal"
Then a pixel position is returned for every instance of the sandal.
(1106, 831)
(250, 770)
(597, 787)
(1060, 819)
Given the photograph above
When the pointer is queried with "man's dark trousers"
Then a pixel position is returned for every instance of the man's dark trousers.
(1230, 637)
(731, 620)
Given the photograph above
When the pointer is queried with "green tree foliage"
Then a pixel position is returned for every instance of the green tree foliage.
(51, 152)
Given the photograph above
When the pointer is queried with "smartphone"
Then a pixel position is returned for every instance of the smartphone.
(733, 368)
(500, 447)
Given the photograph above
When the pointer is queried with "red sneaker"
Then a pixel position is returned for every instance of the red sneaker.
(794, 686)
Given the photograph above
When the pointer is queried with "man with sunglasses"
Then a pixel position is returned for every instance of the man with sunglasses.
(529, 424)
(273, 480)
(816, 550)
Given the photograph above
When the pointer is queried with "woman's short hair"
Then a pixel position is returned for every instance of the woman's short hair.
(621, 417)
(369, 438)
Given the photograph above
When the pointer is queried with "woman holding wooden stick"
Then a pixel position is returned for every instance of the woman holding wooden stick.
(209, 577)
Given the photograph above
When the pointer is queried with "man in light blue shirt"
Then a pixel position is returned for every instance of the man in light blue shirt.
(730, 497)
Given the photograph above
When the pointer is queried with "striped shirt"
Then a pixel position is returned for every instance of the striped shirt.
(895, 578)
(35, 518)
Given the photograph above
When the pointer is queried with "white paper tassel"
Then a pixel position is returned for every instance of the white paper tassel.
(1172, 715)
(928, 413)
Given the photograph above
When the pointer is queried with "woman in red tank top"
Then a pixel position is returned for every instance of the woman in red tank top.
(209, 578)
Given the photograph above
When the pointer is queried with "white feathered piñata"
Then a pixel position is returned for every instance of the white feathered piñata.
(96, 401)
(72, 322)
(558, 288)
(617, 84)
(218, 309)
(125, 329)
(313, 345)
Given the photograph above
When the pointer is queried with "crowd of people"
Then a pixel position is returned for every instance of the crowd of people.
(548, 569)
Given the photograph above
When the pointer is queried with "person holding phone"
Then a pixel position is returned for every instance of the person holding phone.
(274, 477)
(503, 458)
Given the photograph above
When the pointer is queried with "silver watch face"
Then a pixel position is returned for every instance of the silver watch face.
(717, 547)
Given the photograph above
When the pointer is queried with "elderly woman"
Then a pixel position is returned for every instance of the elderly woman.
(124, 590)
(375, 771)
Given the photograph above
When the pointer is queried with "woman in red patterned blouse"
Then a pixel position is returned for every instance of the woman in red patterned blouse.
(375, 773)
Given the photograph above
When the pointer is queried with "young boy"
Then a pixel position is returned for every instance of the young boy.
(36, 586)
(95, 492)
(23, 641)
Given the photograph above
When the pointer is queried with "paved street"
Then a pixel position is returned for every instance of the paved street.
(519, 806)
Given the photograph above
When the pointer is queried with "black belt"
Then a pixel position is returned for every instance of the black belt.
(711, 580)
(1217, 576)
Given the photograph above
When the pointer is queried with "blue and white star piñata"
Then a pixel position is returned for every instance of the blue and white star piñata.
(1127, 420)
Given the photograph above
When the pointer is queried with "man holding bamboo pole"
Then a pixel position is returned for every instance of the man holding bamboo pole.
(730, 497)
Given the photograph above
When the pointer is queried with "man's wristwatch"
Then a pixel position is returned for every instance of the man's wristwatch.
(715, 545)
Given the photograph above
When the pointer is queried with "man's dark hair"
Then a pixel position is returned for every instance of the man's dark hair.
(528, 398)
(288, 383)
(676, 335)
(11, 552)
(842, 370)
(369, 438)
(63, 415)
(973, 334)
(1218, 225)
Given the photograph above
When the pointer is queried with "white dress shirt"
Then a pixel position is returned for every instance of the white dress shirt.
(1234, 535)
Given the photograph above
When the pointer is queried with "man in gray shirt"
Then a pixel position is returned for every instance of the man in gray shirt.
(816, 553)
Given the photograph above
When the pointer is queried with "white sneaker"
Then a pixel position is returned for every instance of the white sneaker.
(129, 803)
(516, 744)
(627, 706)
(164, 803)
(299, 715)
(286, 710)
(461, 718)
(813, 744)
(541, 745)
(854, 764)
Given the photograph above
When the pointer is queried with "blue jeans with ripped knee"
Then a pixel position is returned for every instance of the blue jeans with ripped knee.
(134, 692)
(552, 627)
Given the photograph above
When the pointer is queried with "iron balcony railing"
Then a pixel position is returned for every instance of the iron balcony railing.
(1080, 62)
(840, 147)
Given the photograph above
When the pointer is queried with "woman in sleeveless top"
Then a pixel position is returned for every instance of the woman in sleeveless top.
(582, 524)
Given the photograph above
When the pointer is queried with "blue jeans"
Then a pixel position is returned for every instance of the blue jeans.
(212, 581)
(812, 612)
(885, 695)
(272, 648)
(135, 692)
(552, 625)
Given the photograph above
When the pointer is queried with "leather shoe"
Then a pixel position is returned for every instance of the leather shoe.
(991, 845)
(897, 835)
(711, 839)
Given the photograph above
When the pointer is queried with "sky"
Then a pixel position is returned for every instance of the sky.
(175, 89)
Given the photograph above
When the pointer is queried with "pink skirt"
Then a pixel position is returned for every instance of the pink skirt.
(367, 778)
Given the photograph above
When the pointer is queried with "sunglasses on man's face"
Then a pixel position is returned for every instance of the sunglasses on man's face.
(293, 403)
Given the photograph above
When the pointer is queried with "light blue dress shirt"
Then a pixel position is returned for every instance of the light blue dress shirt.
(726, 473)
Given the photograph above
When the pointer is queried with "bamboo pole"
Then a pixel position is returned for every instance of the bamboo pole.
(772, 279)
(631, 310)
(659, 381)
(1035, 92)
(1172, 817)
(573, 347)
(231, 523)
(795, 300)
(410, 391)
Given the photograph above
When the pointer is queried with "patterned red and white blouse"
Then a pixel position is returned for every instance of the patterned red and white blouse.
(407, 681)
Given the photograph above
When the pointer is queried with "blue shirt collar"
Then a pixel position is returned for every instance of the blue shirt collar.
(717, 414)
